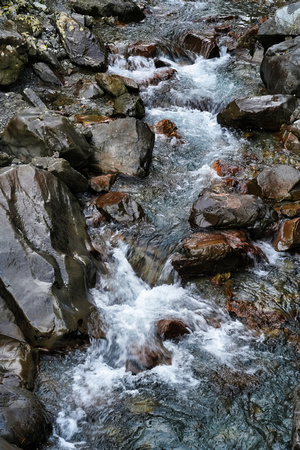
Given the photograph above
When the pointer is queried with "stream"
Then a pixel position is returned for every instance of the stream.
(227, 387)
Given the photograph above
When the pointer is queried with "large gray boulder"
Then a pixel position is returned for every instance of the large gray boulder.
(13, 56)
(24, 421)
(284, 23)
(278, 183)
(45, 259)
(35, 132)
(122, 146)
(219, 210)
(267, 112)
(280, 68)
(82, 47)
(124, 10)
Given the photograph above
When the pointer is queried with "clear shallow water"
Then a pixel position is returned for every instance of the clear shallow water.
(226, 387)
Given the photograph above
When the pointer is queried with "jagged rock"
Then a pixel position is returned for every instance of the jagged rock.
(24, 421)
(44, 255)
(80, 44)
(278, 183)
(122, 146)
(120, 207)
(102, 182)
(124, 10)
(284, 23)
(288, 236)
(221, 210)
(59, 167)
(28, 24)
(280, 68)
(111, 84)
(129, 105)
(33, 98)
(37, 132)
(13, 56)
(46, 74)
(268, 112)
(204, 45)
(88, 89)
(207, 253)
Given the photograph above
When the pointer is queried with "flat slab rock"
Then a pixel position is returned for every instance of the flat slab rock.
(209, 253)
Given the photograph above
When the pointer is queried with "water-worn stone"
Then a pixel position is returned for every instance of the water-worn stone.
(220, 210)
(80, 44)
(171, 328)
(13, 56)
(46, 265)
(142, 49)
(24, 421)
(111, 84)
(268, 112)
(288, 236)
(147, 356)
(278, 183)
(280, 68)
(129, 105)
(59, 167)
(123, 146)
(120, 207)
(124, 10)
(37, 132)
(204, 45)
(207, 253)
(284, 23)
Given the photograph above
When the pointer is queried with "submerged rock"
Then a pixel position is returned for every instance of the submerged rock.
(267, 112)
(284, 23)
(147, 356)
(44, 255)
(280, 68)
(35, 132)
(24, 421)
(123, 146)
(209, 253)
(278, 183)
(288, 236)
(124, 10)
(80, 44)
(221, 210)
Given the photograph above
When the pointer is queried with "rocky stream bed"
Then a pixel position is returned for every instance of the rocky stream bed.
(150, 224)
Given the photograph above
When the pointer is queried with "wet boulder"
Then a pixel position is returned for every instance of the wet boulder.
(278, 183)
(267, 112)
(167, 128)
(59, 167)
(209, 253)
(203, 45)
(172, 328)
(24, 421)
(221, 210)
(81, 45)
(144, 49)
(13, 56)
(122, 146)
(147, 356)
(280, 68)
(111, 84)
(124, 10)
(35, 132)
(120, 207)
(45, 259)
(288, 236)
(284, 23)
(129, 105)
(291, 138)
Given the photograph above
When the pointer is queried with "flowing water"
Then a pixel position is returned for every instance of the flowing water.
(227, 387)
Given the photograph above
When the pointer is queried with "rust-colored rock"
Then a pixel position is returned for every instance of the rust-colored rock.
(120, 207)
(288, 236)
(290, 210)
(168, 128)
(112, 198)
(147, 356)
(225, 169)
(102, 182)
(204, 45)
(142, 49)
(208, 253)
(160, 75)
(171, 328)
